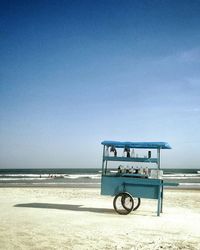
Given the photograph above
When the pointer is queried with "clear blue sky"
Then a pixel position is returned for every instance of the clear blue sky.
(74, 73)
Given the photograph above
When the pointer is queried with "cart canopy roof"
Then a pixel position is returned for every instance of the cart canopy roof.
(150, 145)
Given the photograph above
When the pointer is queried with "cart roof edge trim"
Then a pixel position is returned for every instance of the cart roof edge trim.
(150, 145)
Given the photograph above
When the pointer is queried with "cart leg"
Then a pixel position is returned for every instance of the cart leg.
(159, 202)
(161, 199)
(158, 208)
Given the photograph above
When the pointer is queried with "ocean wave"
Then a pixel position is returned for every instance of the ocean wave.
(30, 176)
(23, 179)
(189, 184)
(181, 176)
(78, 176)
(85, 177)
(23, 175)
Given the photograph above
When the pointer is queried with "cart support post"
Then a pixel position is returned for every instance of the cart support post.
(103, 160)
(159, 202)
(162, 193)
(158, 157)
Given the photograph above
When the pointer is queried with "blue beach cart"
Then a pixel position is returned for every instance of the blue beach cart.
(129, 184)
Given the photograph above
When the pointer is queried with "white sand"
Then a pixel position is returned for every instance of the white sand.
(64, 218)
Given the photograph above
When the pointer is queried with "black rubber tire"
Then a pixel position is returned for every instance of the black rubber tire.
(119, 203)
(137, 202)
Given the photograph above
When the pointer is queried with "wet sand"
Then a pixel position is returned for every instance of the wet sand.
(76, 218)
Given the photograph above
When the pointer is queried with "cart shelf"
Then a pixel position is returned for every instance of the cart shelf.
(130, 159)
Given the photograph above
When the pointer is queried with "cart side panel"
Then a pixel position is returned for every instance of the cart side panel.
(143, 188)
(111, 185)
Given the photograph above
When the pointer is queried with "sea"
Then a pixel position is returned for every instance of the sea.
(84, 177)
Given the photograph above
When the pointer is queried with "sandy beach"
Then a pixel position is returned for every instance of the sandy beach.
(74, 218)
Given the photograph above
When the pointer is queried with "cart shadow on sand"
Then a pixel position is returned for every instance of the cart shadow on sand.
(69, 207)
(78, 208)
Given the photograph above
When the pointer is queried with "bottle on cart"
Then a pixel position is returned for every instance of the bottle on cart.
(133, 153)
(113, 149)
(141, 170)
(128, 152)
(107, 151)
(146, 171)
(137, 170)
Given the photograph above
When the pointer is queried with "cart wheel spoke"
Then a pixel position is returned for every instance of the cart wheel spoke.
(123, 203)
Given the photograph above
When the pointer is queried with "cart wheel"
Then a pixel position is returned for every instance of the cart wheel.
(137, 202)
(123, 203)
